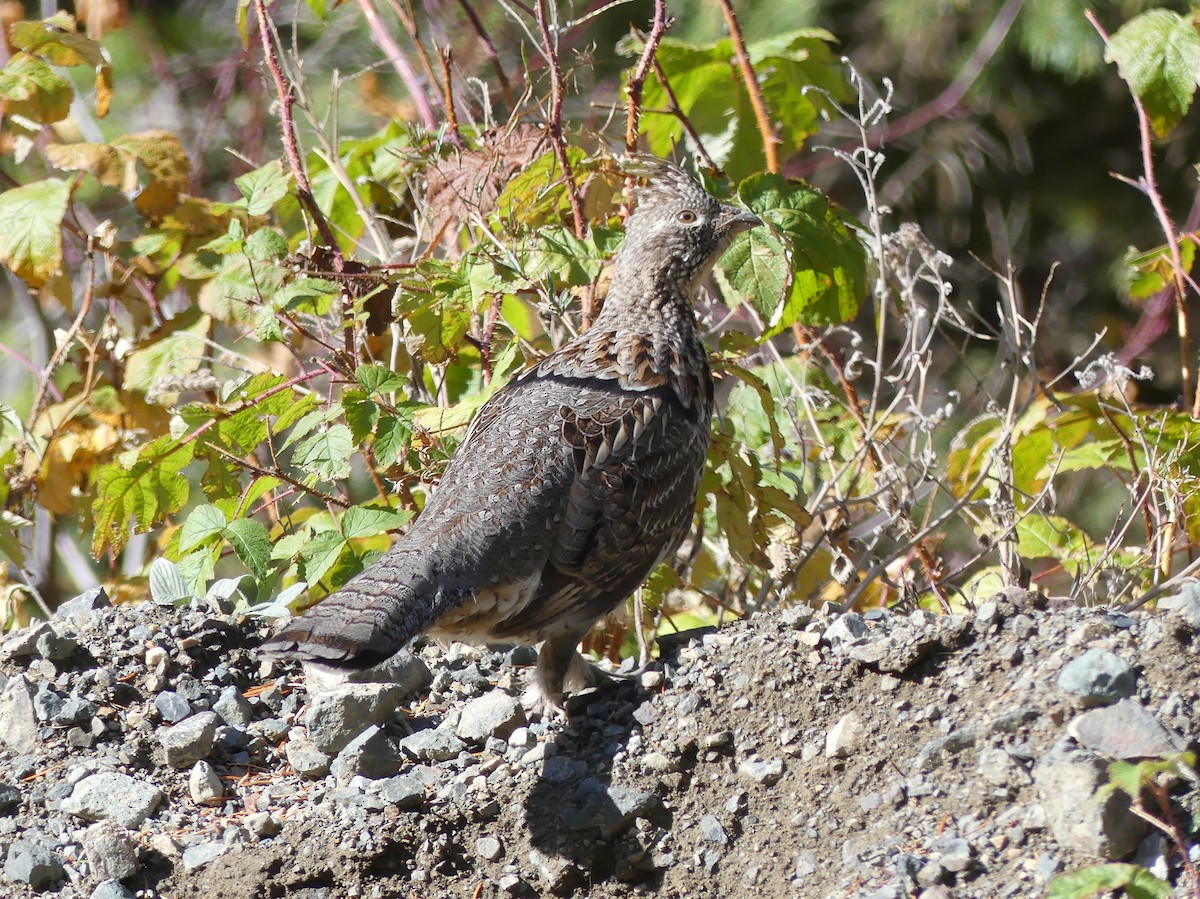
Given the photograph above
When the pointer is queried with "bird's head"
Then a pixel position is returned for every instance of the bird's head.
(677, 230)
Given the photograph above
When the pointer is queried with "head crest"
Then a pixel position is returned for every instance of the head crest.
(665, 179)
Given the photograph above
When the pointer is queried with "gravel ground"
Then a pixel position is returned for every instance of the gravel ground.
(146, 751)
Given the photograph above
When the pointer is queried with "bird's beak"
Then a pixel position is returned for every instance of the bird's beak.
(741, 220)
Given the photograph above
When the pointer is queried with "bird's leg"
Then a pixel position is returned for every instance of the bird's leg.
(560, 667)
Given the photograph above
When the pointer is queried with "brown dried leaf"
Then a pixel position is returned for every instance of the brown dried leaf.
(468, 183)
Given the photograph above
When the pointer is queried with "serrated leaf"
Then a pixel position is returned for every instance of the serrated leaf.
(197, 569)
(32, 89)
(179, 352)
(167, 166)
(252, 543)
(99, 160)
(326, 453)
(320, 554)
(264, 187)
(361, 413)
(364, 521)
(201, 523)
(55, 40)
(391, 439)
(145, 491)
(167, 584)
(1158, 55)
(31, 229)
(378, 379)
(264, 244)
(826, 260)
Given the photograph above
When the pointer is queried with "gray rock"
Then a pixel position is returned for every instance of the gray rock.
(712, 831)
(494, 714)
(844, 738)
(760, 771)
(23, 642)
(47, 703)
(371, 754)
(1185, 605)
(54, 646)
(109, 851)
(434, 744)
(489, 848)
(306, 759)
(1097, 678)
(403, 792)
(405, 671)
(1081, 816)
(172, 706)
(607, 809)
(1047, 866)
(75, 710)
(955, 855)
(32, 864)
(1126, 730)
(18, 718)
(111, 889)
(562, 769)
(201, 854)
(1152, 854)
(85, 604)
(10, 798)
(999, 768)
(204, 785)
(112, 796)
(233, 707)
(337, 716)
(190, 740)
(845, 631)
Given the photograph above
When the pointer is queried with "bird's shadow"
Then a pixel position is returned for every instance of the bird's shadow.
(586, 825)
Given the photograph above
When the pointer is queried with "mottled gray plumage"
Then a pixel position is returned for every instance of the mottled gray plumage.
(574, 480)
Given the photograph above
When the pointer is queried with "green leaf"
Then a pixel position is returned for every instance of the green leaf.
(167, 584)
(391, 439)
(326, 453)
(32, 89)
(537, 194)
(378, 379)
(809, 240)
(264, 187)
(201, 523)
(364, 521)
(361, 413)
(1150, 272)
(55, 40)
(1158, 54)
(264, 244)
(197, 569)
(10, 543)
(707, 85)
(31, 229)
(320, 554)
(1096, 879)
(252, 543)
(179, 352)
(146, 490)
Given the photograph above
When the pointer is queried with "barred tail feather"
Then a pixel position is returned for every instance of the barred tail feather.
(368, 621)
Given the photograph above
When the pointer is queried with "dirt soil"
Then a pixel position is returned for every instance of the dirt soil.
(795, 754)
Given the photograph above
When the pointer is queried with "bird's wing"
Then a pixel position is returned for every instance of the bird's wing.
(636, 461)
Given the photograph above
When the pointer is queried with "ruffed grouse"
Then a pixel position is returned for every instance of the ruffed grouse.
(573, 482)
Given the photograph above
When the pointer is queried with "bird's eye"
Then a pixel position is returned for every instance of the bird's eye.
(687, 217)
